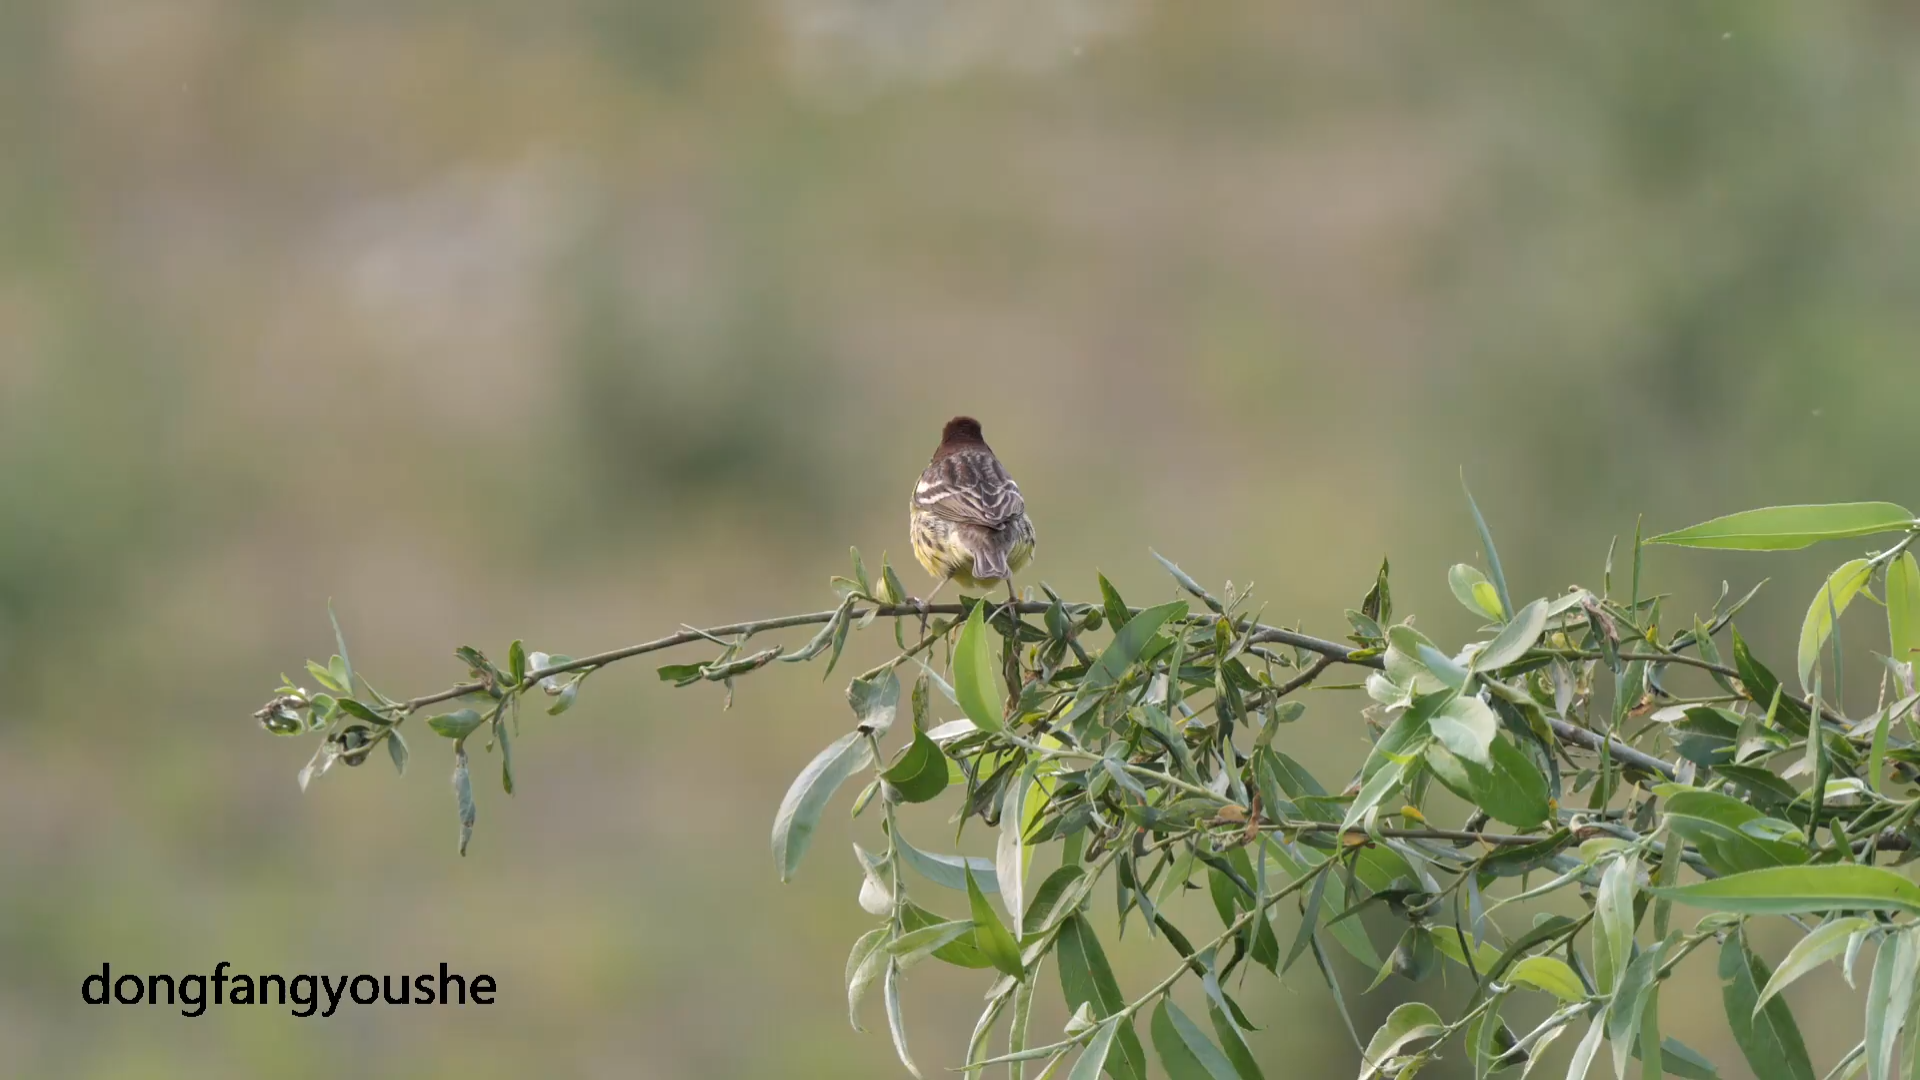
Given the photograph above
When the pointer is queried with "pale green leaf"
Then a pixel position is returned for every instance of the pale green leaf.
(1783, 528)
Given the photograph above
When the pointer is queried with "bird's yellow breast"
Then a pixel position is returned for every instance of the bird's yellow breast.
(936, 543)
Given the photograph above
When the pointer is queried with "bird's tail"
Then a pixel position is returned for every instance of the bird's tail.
(990, 555)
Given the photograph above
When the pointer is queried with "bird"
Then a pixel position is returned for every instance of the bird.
(968, 520)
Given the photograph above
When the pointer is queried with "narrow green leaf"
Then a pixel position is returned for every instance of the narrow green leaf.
(1514, 639)
(1095, 1056)
(1053, 897)
(863, 964)
(807, 797)
(1784, 528)
(1801, 890)
(915, 945)
(1231, 1039)
(1185, 1051)
(1086, 979)
(991, 935)
(1826, 943)
(501, 727)
(1010, 847)
(1116, 608)
(1769, 1039)
(1613, 922)
(1589, 1046)
(463, 796)
(1731, 835)
(1127, 645)
(1407, 1023)
(1828, 603)
(1679, 1059)
(949, 871)
(517, 662)
(895, 1023)
(340, 642)
(1374, 792)
(1624, 1015)
(1903, 609)
(1889, 998)
(974, 679)
(1486, 541)
(397, 750)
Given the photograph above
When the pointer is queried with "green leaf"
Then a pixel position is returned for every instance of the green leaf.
(517, 662)
(1185, 1051)
(1231, 1040)
(455, 725)
(949, 871)
(397, 750)
(1046, 903)
(895, 1023)
(1827, 942)
(800, 810)
(1679, 1059)
(1769, 1039)
(1512, 789)
(921, 773)
(1903, 609)
(959, 951)
(1374, 792)
(340, 642)
(463, 796)
(1514, 639)
(974, 680)
(1801, 890)
(1117, 614)
(1128, 644)
(874, 703)
(1731, 835)
(1784, 528)
(1467, 727)
(1613, 922)
(500, 726)
(1085, 979)
(325, 677)
(1019, 808)
(1828, 604)
(1408, 1023)
(1549, 974)
(863, 965)
(1486, 541)
(1095, 1056)
(1630, 1000)
(915, 945)
(1888, 996)
(1474, 591)
(1589, 1046)
(991, 935)
(565, 699)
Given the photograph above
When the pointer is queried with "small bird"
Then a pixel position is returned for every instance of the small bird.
(968, 520)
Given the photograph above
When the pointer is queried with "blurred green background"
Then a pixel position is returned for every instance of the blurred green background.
(577, 320)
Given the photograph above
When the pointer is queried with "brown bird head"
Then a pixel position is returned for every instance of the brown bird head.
(960, 432)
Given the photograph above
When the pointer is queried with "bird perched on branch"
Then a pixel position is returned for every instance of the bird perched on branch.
(968, 520)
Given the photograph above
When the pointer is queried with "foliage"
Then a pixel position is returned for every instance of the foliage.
(1147, 748)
